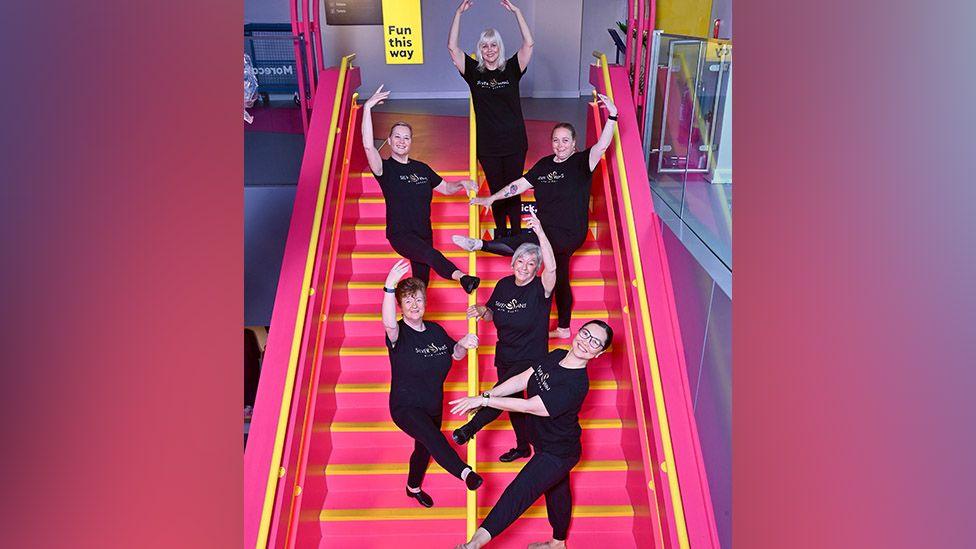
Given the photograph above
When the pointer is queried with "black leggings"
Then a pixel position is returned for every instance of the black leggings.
(487, 415)
(545, 474)
(500, 171)
(422, 256)
(425, 429)
(563, 247)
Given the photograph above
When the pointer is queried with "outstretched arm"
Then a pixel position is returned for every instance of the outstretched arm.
(525, 52)
(512, 385)
(606, 136)
(457, 54)
(372, 155)
(516, 187)
(389, 300)
(445, 187)
(469, 341)
(548, 257)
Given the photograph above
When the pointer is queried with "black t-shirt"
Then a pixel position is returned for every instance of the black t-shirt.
(562, 192)
(521, 317)
(407, 190)
(497, 107)
(562, 391)
(419, 363)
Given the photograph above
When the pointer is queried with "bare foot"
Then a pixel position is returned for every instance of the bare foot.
(465, 243)
(559, 333)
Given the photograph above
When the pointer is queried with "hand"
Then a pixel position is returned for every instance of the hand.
(396, 273)
(477, 311)
(469, 185)
(611, 108)
(533, 223)
(465, 6)
(463, 406)
(377, 99)
(482, 201)
(469, 341)
(510, 6)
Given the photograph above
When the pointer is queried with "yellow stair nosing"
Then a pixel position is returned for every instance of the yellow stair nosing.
(449, 253)
(450, 425)
(459, 513)
(451, 387)
(376, 285)
(349, 469)
(439, 315)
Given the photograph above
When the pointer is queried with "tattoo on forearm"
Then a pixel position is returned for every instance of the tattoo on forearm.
(512, 189)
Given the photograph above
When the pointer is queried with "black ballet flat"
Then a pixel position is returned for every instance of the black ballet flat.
(461, 436)
(514, 454)
(470, 283)
(422, 498)
(473, 481)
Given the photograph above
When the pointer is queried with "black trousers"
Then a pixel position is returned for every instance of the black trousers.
(500, 171)
(564, 245)
(485, 416)
(422, 255)
(425, 429)
(545, 474)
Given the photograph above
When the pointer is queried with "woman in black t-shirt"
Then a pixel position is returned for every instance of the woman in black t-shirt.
(420, 358)
(408, 187)
(556, 387)
(519, 307)
(494, 83)
(562, 184)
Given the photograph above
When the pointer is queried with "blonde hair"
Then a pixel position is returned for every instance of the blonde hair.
(490, 35)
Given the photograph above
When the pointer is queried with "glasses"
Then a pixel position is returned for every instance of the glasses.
(594, 342)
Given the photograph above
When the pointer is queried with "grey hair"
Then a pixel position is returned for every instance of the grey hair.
(490, 35)
(529, 248)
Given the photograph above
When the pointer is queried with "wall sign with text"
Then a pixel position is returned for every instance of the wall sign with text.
(402, 34)
(353, 12)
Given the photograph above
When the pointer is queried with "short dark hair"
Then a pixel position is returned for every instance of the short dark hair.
(565, 125)
(401, 123)
(606, 328)
(410, 286)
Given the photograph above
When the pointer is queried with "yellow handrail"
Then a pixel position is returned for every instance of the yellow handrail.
(670, 469)
(275, 470)
(472, 496)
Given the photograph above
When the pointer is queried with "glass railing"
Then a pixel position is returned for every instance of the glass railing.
(688, 136)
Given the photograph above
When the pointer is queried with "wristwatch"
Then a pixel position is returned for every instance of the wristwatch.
(485, 395)
(389, 290)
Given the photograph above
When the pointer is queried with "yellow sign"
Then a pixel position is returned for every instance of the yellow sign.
(402, 35)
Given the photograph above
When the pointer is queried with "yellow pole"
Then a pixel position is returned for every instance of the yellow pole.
(472, 500)
(668, 465)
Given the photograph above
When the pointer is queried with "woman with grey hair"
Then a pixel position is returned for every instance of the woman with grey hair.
(519, 307)
(494, 82)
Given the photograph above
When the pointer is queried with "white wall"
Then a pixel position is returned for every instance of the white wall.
(598, 16)
(565, 32)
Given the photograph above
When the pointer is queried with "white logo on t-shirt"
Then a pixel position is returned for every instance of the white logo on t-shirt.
(541, 378)
(414, 178)
(431, 350)
(511, 306)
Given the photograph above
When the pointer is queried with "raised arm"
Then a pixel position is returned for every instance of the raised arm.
(525, 52)
(548, 257)
(372, 155)
(389, 300)
(457, 54)
(606, 136)
(518, 186)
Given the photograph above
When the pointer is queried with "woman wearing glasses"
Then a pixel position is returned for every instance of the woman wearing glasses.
(519, 307)
(556, 387)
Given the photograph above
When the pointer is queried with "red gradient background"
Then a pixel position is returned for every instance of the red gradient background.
(121, 283)
(121, 214)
